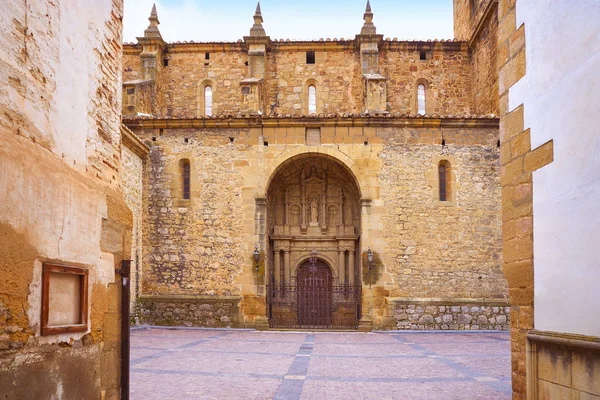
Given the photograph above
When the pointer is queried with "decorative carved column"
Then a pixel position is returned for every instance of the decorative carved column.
(351, 271)
(286, 267)
(277, 257)
(342, 267)
(341, 209)
(287, 206)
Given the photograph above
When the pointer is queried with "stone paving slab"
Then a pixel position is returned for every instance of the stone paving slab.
(208, 364)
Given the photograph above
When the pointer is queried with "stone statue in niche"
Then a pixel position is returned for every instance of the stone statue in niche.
(347, 213)
(314, 211)
(332, 216)
(295, 217)
(279, 214)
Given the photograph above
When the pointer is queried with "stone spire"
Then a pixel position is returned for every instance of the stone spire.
(257, 29)
(152, 30)
(368, 27)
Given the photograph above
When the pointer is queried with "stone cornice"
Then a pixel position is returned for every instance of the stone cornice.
(292, 45)
(272, 122)
(590, 343)
(133, 143)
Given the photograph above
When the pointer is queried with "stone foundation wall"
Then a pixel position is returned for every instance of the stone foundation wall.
(204, 311)
(456, 314)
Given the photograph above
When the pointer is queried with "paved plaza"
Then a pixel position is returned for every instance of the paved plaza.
(237, 364)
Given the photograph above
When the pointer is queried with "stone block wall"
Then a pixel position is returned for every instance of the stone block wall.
(200, 311)
(446, 74)
(422, 247)
(455, 314)
(562, 366)
(336, 74)
(133, 153)
(433, 248)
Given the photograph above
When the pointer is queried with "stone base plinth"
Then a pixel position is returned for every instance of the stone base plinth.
(448, 314)
(201, 311)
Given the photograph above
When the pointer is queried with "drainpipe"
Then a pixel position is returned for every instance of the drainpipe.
(124, 271)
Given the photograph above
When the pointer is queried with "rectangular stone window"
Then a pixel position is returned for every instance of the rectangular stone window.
(207, 56)
(246, 90)
(130, 90)
(64, 299)
(310, 57)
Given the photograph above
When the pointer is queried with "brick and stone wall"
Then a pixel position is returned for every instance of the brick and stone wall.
(453, 314)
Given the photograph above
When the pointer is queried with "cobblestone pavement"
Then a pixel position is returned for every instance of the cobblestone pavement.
(235, 364)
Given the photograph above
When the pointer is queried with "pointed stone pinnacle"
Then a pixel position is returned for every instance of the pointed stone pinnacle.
(368, 6)
(153, 13)
(258, 8)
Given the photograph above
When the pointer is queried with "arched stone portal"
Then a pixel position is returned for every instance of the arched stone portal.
(313, 204)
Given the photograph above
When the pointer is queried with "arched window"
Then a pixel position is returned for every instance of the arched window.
(208, 103)
(444, 180)
(312, 99)
(421, 99)
(185, 179)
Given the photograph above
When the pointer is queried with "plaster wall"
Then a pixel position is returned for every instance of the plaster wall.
(560, 92)
(60, 201)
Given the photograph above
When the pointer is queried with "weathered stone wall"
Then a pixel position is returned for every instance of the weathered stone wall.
(458, 314)
(336, 74)
(446, 75)
(478, 26)
(195, 247)
(132, 171)
(187, 72)
(202, 311)
(442, 249)
(422, 247)
(467, 17)
(485, 67)
(61, 200)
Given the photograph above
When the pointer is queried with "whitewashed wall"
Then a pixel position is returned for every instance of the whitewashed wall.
(561, 94)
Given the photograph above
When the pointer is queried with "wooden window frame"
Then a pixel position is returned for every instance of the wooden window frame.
(83, 273)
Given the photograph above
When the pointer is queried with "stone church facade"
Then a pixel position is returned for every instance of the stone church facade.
(339, 183)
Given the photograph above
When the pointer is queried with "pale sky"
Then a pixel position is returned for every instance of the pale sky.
(230, 20)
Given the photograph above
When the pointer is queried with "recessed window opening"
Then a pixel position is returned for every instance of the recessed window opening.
(166, 62)
(444, 181)
(207, 56)
(130, 90)
(312, 99)
(208, 101)
(185, 179)
(421, 99)
(423, 55)
(64, 299)
(310, 57)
